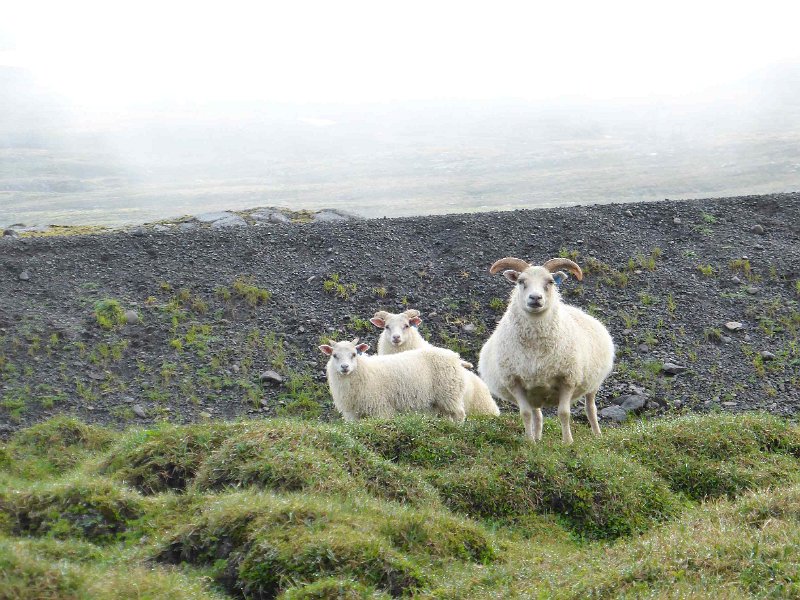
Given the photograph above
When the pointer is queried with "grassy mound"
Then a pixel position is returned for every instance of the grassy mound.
(89, 509)
(53, 447)
(594, 494)
(261, 544)
(165, 458)
(32, 571)
(292, 456)
(414, 506)
(709, 457)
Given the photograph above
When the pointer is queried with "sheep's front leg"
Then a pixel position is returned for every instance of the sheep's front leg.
(564, 402)
(538, 421)
(591, 413)
(526, 411)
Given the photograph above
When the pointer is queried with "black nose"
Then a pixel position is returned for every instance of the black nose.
(345, 368)
(534, 299)
(395, 338)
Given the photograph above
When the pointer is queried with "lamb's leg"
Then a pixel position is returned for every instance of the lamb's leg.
(564, 402)
(591, 413)
(526, 412)
(537, 424)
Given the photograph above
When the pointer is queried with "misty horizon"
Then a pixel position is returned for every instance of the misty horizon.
(98, 129)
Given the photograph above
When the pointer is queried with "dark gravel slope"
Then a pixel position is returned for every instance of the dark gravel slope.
(665, 277)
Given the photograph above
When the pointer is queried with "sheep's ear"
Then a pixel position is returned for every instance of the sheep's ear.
(415, 321)
(378, 322)
(325, 349)
(560, 277)
(511, 275)
(362, 348)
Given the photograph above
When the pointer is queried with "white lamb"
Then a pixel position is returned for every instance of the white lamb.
(400, 334)
(544, 352)
(429, 380)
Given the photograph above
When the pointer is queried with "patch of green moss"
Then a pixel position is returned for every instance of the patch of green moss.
(109, 314)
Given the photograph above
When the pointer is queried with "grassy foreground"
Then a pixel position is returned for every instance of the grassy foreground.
(687, 507)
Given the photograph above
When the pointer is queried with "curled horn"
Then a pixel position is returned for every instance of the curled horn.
(355, 342)
(554, 264)
(509, 262)
(411, 313)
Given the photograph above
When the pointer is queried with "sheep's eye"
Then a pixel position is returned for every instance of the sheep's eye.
(353, 355)
(520, 282)
(406, 326)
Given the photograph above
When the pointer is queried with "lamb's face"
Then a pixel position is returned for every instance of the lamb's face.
(344, 355)
(397, 326)
(537, 288)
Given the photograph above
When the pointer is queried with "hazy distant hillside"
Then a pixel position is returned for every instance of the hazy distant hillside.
(61, 164)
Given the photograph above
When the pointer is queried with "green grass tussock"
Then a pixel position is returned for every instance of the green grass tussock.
(287, 456)
(712, 456)
(261, 544)
(594, 494)
(30, 572)
(165, 458)
(52, 447)
(743, 548)
(90, 509)
(331, 588)
(409, 507)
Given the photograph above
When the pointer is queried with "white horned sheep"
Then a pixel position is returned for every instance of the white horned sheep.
(429, 380)
(400, 334)
(545, 352)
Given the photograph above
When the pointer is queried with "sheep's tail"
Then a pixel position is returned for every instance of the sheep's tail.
(478, 401)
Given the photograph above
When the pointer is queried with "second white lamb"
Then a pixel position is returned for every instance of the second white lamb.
(401, 334)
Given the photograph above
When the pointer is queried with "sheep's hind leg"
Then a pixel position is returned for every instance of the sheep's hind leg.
(564, 402)
(591, 413)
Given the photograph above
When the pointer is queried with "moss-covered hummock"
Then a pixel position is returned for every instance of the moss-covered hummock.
(414, 506)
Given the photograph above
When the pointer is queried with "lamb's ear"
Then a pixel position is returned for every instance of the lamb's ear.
(511, 275)
(325, 349)
(415, 321)
(559, 277)
(378, 322)
(362, 348)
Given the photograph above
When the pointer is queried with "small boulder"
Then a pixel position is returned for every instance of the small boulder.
(672, 369)
(139, 411)
(24, 276)
(131, 317)
(628, 213)
(757, 229)
(469, 328)
(330, 214)
(228, 222)
(733, 326)
(767, 355)
(633, 403)
(270, 377)
(616, 414)
(676, 220)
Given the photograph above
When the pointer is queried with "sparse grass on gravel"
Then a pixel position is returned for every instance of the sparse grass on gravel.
(281, 508)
